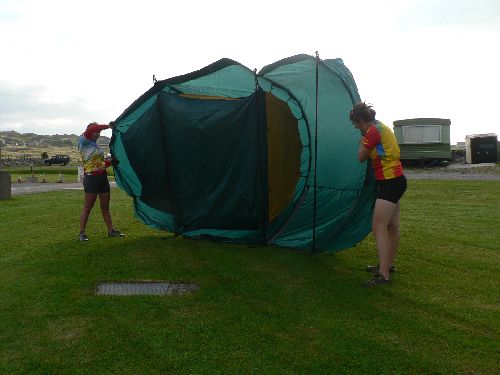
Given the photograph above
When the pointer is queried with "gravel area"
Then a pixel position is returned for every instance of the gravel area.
(451, 176)
(456, 171)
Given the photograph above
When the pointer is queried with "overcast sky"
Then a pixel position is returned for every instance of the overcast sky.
(66, 63)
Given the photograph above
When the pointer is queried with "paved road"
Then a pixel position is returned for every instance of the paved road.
(31, 188)
(453, 172)
(456, 171)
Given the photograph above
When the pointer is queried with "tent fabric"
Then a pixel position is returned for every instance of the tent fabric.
(227, 153)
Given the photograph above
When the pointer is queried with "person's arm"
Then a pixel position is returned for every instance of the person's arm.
(367, 143)
(94, 128)
(363, 152)
(111, 162)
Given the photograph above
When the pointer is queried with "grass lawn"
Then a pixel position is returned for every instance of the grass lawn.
(260, 310)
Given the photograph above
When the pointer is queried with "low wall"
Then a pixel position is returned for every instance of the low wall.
(12, 163)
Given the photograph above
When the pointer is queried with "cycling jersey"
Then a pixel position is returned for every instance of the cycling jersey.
(92, 155)
(384, 151)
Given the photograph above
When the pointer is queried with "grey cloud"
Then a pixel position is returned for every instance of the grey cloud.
(478, 14)
(22, 105)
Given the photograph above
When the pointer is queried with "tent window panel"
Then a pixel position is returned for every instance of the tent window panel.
(422, 134)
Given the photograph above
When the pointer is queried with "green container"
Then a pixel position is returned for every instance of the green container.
(423, 138)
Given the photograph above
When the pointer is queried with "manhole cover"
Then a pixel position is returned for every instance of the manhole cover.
(144, 288)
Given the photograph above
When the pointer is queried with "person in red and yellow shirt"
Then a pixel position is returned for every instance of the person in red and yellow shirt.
(379, 144)
(95, 179)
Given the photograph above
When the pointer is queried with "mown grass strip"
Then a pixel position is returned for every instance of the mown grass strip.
(258, 309)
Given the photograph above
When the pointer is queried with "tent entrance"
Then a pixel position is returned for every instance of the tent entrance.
(284, 152)
(216, 163)
(213, 156)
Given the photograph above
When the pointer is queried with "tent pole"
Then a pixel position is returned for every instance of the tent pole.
(262, 139)
(313, 248)
(167, 169)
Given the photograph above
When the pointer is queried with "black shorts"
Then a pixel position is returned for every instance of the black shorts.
(391, 190)
(96, 184)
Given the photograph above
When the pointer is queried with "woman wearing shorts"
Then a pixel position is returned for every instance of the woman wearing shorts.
(95, 179)
(379, 143)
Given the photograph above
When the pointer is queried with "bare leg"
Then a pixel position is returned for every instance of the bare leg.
(393, 230)
(384, 210)
(104, 199)
(88, 202)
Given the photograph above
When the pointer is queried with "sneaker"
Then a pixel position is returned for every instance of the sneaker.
(374, 269)
(115, 233)
(379, 279)
(83, 237)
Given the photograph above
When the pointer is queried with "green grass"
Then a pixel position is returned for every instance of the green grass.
(261, 310)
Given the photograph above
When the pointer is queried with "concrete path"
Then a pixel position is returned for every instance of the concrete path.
(455, 171)
(32, 188)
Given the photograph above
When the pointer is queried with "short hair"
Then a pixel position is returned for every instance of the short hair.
(92, 123)
(362, 112)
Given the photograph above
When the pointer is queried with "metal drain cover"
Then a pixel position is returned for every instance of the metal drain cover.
(144, 288)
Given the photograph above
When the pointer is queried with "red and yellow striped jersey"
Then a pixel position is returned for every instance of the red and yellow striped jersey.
(384, 151)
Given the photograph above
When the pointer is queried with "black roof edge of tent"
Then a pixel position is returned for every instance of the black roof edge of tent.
(159, 85)
(285, 61)
(218, 65)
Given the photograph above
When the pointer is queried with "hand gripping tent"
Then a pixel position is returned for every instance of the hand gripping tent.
(268, 157)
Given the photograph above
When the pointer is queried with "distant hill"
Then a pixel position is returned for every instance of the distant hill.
(28, 148)
(12, 138)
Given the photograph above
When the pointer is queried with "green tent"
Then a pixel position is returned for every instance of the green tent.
(229, 153)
